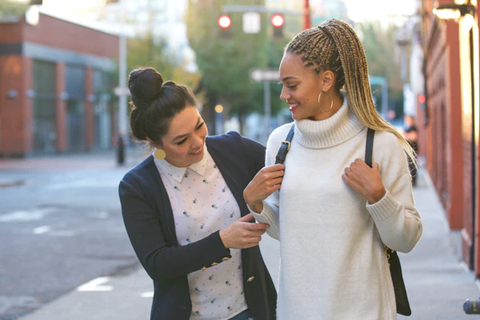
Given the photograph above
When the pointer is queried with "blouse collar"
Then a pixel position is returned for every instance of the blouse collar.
(178, 173)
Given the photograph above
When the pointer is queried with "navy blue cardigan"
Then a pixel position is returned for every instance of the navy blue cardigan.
(149, 221)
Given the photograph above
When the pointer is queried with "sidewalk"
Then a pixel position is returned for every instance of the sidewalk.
(96, 158)
(437, 281)
(13, 171)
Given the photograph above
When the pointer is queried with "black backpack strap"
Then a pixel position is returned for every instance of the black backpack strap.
(285, 147)
(369, 147)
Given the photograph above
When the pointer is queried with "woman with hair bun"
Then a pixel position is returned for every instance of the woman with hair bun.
(185, 214)
(334, 214)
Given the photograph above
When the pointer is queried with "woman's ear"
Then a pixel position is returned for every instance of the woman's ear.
(328, 80)
(155, 145)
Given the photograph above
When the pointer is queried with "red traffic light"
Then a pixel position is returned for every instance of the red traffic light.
(224, 21)
(277, 20)
(421, 98)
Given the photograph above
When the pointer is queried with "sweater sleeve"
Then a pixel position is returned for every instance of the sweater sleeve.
(160, 259)
(395, 215)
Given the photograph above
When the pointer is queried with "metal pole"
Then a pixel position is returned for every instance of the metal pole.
(122, 99)
(266, 99)
(306, 16)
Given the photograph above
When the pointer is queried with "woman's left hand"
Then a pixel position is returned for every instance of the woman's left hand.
(365, 180)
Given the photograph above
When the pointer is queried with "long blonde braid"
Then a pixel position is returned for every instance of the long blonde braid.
(335, 46)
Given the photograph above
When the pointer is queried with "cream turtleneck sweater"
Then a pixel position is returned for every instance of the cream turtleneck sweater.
(333, 264)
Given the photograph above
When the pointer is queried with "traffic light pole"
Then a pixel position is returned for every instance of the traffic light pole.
(306, 15)
(268, 108)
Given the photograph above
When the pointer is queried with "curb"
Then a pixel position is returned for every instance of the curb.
(12, 183)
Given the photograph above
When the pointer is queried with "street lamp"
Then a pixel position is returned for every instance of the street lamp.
(453, 11)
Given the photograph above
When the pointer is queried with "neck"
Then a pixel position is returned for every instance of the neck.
(326, 103)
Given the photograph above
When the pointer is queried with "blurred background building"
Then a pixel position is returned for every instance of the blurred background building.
(56, 79)
(448, 113)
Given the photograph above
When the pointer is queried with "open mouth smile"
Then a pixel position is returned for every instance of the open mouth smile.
(197, 152)
(292, 107)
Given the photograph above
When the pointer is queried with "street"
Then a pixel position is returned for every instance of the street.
(60, 227)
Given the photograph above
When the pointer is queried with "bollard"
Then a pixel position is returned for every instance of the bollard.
(120, 150)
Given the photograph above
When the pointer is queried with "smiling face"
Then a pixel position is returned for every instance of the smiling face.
(185, 139)
(301, 87)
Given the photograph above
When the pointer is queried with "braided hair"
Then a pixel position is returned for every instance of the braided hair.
(335, 46)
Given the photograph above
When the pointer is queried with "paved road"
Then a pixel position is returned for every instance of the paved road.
(60, 227)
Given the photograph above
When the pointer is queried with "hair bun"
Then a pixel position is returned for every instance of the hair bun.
(145, 85)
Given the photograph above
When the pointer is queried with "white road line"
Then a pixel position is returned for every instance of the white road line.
(25, 216)
(42, 230)
(95, 285)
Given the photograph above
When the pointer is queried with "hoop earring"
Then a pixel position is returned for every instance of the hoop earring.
(160, 154)
(331, 104)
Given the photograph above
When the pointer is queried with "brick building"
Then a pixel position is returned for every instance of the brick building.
(56, 80)
(449, 124)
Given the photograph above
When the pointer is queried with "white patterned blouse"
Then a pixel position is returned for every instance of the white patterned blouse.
(202, 203)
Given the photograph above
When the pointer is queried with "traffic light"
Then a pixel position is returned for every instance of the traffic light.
(36, 2)
(277, 21)
(421, 98)
(224, 22)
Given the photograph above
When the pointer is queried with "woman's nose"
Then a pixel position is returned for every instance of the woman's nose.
(284, 95)
(197, 141)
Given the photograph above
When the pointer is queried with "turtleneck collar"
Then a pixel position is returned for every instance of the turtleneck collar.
(340, 127)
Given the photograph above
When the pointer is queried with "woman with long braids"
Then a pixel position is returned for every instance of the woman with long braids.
(332, 213)
(184, 211)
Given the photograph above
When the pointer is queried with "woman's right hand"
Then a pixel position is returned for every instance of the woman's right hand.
(267, 181)
(242, 234)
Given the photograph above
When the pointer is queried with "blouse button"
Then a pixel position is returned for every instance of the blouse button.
(214, 264)
(250, 279)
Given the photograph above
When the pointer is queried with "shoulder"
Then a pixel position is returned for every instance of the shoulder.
(388, 151)
(234, 142)
(140, 172)
(386, 139)
(279, 134)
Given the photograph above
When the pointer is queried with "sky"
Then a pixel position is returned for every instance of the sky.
(358, 10)
(384, 10)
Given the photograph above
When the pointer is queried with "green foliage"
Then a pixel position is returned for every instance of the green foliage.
(147, 51)
(275, 55)
(9, 8)
(225, 63)
(379, 44)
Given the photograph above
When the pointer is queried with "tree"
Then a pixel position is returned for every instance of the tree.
(12, 9)
(146, 51)
(379, 44)
(225, 64)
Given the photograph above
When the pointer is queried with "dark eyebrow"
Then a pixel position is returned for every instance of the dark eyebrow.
(187, 134)
(288, 78)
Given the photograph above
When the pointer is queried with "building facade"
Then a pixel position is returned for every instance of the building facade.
(56, 80)
(448, 122)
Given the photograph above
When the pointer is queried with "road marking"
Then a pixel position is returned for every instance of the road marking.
(147, 295)
(100, 215)
(42, 229)
(24, 216)
(95, 285)
(62, 233)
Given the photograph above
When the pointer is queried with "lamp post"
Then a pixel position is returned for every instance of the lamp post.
(121, 91)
